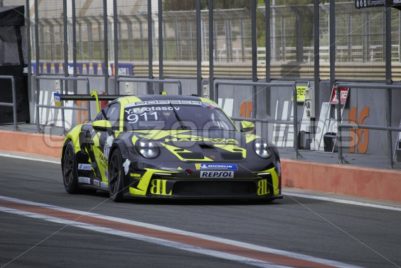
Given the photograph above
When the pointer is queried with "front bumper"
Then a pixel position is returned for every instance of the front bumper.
(154, 183)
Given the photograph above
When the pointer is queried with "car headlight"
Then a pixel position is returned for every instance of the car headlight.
(261, 148)
(148, 149)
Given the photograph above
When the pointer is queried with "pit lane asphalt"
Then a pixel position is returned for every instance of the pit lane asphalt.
(356, 235)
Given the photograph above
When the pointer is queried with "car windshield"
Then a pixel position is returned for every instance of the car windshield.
(171, 115)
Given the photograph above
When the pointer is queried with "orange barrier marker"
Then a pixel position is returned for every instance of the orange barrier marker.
(378, 184)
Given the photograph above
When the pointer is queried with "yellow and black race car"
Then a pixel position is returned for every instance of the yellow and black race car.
(169, 147)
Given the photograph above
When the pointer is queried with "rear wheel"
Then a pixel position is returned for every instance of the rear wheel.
(116, 176)
(69, 169)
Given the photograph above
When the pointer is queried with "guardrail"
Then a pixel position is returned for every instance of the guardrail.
(62, 108)
(148, 80)
(12, 104)
(268, 86)
(389, 129)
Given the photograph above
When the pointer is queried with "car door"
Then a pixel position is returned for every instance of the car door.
(103, 140)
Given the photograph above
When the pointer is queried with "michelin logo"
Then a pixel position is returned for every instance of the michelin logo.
(230, 167)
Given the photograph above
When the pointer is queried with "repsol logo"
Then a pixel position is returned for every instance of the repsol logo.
(217, 174)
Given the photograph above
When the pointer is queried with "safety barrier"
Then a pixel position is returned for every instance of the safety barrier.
(62, 91)
(268, 86)
(389, 129)
(12, 104)
(149, 80)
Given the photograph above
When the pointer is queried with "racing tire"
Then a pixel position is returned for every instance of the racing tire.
(69, 169)
(116, 176)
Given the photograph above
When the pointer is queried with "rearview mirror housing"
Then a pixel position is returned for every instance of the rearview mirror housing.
(102, 125)
(247, 126)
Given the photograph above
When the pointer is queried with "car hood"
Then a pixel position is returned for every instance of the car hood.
(182, 137)
(190, 145)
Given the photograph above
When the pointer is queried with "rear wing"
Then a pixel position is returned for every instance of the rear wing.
(94, 96)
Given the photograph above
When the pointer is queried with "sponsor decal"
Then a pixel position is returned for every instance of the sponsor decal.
(140, 110)
(126, 165)
(96, 183)
(217, 174)
(86, 167)
(146, 116)
(107, 146)
(219, 167)
(165, 102)
(218, 170)
(262, 187)
(187, 138)
(84, 180)
(160, 187)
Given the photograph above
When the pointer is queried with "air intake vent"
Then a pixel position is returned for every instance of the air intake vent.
(192, 155)
(232, 156)
(214, 188)
(205, 145)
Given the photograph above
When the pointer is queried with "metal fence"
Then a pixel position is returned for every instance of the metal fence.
(109, 42)
(360, 35)
(53, 106)
(389, 129)
(142, 37)
(267, 87)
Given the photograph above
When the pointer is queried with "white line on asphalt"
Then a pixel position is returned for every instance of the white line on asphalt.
(307, 196)
(343, 201)
(158, 241)
(16, 156)
(164, 242)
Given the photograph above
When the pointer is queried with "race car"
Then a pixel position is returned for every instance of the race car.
(165, 146)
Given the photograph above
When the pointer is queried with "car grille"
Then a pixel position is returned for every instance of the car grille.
(214, 188)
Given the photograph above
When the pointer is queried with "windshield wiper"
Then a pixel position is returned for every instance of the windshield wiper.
(178, 118)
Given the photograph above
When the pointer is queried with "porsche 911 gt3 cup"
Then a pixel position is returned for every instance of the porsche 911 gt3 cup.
(169, 147)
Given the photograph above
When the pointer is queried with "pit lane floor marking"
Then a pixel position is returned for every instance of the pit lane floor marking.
(342, 201)
(232, 250)
(30, 158)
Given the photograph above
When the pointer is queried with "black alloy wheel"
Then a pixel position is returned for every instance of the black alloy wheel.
(116, 176)
(69, 169)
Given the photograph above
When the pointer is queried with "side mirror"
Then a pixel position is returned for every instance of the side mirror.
(101, 125)
(247, 126)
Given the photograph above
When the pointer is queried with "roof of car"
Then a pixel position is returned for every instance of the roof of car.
(168, 97)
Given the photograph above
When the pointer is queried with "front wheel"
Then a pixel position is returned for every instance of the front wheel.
(69, 169)
(116, 176)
